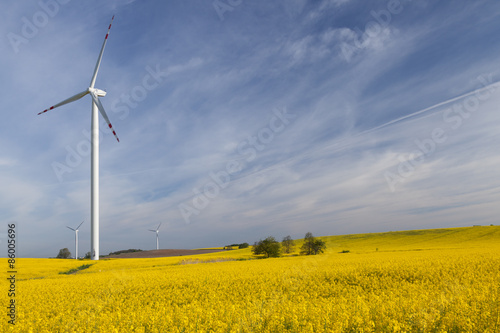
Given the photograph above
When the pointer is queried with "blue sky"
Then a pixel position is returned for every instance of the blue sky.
(243, 119)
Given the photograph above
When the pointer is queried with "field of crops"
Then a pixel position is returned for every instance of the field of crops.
(441, 280)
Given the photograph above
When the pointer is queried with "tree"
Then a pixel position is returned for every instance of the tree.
(64, 254)
(87, 255)
(307, 247)
(288, 244)
(270, 247)
(312, 245)
(319, 246)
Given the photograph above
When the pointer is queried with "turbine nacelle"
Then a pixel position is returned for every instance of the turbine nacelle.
(98, 92)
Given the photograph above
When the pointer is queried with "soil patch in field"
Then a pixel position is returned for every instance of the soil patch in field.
(161, 253)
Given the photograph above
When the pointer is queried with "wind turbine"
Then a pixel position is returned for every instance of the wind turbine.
(76, 238)
(94, 161)
(157, 231)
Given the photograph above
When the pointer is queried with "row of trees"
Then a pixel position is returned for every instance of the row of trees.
(66, 254)
(239, 246)
(270, 247)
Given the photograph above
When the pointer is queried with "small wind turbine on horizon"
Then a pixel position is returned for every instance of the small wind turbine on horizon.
(94, 170)
(76, 238)
(157, 240)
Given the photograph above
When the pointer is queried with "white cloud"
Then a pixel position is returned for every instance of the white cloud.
(323, 173)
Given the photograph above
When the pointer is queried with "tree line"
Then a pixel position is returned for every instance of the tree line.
(270, 247)
(239, 246)
(66, 254)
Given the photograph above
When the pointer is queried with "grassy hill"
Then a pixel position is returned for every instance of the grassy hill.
(438, 280)
(410, 240)
(459, 238)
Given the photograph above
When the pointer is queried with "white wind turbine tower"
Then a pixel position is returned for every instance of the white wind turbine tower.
(76, 238)
(157, 231)
(94, 171)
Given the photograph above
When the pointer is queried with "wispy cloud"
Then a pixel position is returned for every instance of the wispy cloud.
(358, 115)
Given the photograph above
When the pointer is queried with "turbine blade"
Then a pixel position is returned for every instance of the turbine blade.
(70, 228)
(79, 225)
(158, 226)
(96, 69)
(66, 101)
(152, 230)
(96, 100)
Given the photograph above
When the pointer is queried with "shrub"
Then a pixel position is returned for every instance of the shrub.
(64, 254)
(312, 245)
(270, 247)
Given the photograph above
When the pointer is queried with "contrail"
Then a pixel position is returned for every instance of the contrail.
(427, 109)
(338, 145)
(344, 142)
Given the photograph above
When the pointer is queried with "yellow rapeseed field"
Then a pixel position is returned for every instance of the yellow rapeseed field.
(442, 280)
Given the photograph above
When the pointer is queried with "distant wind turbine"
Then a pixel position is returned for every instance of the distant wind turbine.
(94, 161)
(76, 238)
(157, 231)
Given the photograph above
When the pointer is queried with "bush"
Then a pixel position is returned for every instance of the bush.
(74, 270)
(312, 245)
(124, 251)
(239, 246)
(64, 254)
(270, 247)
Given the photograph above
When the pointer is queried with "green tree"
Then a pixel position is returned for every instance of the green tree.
(307, 246)
(288, 244)
(87, 255)
(64, 254)
(319, 246)
(270, 247)
(312, 245)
